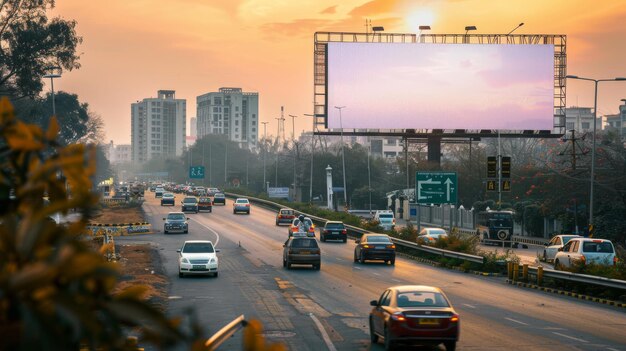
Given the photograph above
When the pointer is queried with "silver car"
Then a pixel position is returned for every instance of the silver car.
(241, 205)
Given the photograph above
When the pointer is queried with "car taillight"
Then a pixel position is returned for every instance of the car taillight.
(393, 221)
(454, 318)
(290, 251)
(247, 205)
(398, 316)
(583, 259)
(279, 216)
(325, 231)
(316, 252)
(344, 232)
(615, 260)
(392, 246)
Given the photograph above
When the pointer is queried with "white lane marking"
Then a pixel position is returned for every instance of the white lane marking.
(470, 306)
(515, 321)
(211, 230)
(397, 280)
(612, 349)
(325, 336)
(570, 337)
(355, 267)
(339, 259)
(374, 273)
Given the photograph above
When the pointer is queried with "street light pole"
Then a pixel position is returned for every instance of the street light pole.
(343, 158)
(293, 142)
(279, 119)
(593, 147)
(53, 75)
(621, 120)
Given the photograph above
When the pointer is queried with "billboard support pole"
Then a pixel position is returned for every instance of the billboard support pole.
(499, 174)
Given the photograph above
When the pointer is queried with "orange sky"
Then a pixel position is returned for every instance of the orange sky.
(132, 48)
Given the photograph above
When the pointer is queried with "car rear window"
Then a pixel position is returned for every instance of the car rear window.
(334, 225)
(421, 299)
(600, 247)
(242, 201)
(385, 216)
(205, 199)
(219, 195)
(568, 238)
(286, 212)
(378, 239)
(304, 243)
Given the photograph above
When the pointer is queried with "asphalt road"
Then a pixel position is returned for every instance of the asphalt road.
(328, 309)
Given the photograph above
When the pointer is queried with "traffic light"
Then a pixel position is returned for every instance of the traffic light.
(506, 167)
(492, 167)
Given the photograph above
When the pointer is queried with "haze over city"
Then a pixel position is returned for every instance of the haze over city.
(195, 46)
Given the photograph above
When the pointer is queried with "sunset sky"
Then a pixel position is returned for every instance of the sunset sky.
(132, 48)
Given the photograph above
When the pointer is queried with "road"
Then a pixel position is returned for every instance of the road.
(328, 309)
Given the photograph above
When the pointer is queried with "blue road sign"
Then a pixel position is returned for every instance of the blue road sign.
(196, 172)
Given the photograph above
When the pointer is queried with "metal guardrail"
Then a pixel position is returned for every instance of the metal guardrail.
(360, 231)
(226, 332)
(581, 278)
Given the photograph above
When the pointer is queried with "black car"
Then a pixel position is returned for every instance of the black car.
(302, 250)
(219, 198)
(168, 199)
(175, 222)
(334, 230)
(190, 204)
(375, 247)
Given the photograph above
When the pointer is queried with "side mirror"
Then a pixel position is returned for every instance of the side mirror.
(163, 218)
(187, 218)
(218, 250)
(560, 249)
(284, 245)
(374, 303)
(357, 241)
(178, 250)
(546, 244)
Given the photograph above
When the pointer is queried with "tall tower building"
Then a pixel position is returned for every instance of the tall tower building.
(158, 126)
(230, 112)
(193, 127)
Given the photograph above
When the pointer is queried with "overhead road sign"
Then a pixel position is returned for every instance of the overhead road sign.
(436, 187)
(196, 172)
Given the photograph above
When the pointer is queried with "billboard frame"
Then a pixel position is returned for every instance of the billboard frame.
(320, 79)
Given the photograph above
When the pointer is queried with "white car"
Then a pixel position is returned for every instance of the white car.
(557, 242)
(585, 251)
(197, 257)
(431, 235)
(386, 219)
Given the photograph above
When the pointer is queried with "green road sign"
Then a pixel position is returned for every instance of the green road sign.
(196, 172)
(436, 187)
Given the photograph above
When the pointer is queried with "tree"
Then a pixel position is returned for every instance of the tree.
(30, 44)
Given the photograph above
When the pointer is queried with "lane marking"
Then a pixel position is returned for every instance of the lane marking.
(515, 321)
(211, 230)
(612, 349)
(569, 337)
(329, 344)
(355, 267)
(397, 280)
(470, 306)
(339, 258)
(374, 273)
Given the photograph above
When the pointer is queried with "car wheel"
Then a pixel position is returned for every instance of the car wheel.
(211, 210)
(545, 257)
(362, 258)
(284, 263)
(450, 345)
(373, 336)
(234, 212)
(317, 266)
(288, 264)
(355, 259)
(557, 265)
(276, 223)
(393, 261)
(180, 275)
(345, 240)
(322, 238)
(216, 274)
(186, 231)
(388, 344)
(164, 231)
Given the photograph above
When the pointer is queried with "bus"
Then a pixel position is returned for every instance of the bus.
(494, 225)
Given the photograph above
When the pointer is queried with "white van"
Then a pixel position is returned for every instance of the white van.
(386, 219)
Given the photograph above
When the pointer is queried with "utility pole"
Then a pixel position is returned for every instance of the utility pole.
(279, 119)
(226, 162)
(312, 150)
(264, 150)
(499, 174)
(343, 158)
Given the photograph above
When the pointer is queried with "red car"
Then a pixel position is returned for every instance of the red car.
(205, 204)
(415, 315)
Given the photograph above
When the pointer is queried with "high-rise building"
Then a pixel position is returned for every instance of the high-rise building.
(159, 126)
(193, 127)
(230, 112)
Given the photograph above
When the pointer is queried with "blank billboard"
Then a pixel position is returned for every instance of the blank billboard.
(440, 86)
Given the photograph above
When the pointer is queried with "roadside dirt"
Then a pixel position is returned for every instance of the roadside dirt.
(141, 265)
(120, 215)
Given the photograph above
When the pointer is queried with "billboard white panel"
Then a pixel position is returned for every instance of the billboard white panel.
(441, 86)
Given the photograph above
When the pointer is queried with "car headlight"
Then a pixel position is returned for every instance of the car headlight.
(213, 260)
(184, 260)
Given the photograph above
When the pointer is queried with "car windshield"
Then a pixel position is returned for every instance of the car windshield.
(421, 299)
(378, 239)
(436, 231)
(190, 200)
(198, 248)
(176, 216)
(304, 243)
(386, 216)
(600, 247)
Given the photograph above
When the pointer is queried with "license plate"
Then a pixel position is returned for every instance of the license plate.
(380, 248)
(195, 266)
(305, 252)
(428, 321)
(335, 232)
